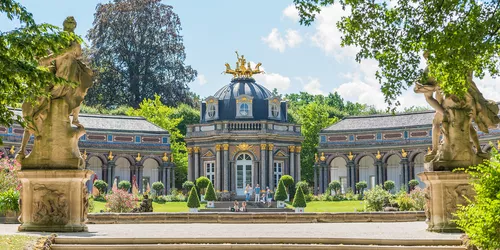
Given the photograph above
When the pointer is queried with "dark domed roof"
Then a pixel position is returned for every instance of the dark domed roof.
(243, 86)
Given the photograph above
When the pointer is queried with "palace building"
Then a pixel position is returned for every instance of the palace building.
(377, 148)
(118, 147)
(244, 136)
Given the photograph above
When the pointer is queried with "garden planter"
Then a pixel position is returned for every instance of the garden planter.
(280, 204)
(11, 217)
(287, 197)
(299, 209)
(193, 210)
(202, 198)
(210, 204)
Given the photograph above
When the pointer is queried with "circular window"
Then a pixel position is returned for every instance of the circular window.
(211, 111)
(244, 109)
(275, 111)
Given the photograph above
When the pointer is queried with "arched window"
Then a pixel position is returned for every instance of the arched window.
(211, 111)
(244, 110)
(275, 110)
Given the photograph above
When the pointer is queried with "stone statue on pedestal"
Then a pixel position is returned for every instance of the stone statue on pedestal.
(53, 175)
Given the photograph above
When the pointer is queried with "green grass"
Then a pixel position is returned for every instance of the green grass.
(334, 206)
(166, 207)
(15, 242)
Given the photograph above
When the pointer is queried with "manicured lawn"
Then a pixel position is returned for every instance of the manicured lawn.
(17, 241)
(166, 207)
(335, 206)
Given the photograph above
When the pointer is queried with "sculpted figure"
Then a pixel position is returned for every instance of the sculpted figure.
(68, 65)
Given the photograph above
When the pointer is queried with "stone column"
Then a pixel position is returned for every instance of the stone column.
(172, 175)
(218, 182)
(297, 164)
(225, 147)
(168, 181)
(291, 149)
(321, 179)
(404, 172)
(263, 165)
(412, 170)
(270, 147)
(190, 164)
(196, 162)
(140, 173)
(315, 180)
(380, 172)
(352, 175)
(104, 172)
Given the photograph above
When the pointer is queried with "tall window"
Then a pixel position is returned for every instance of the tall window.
(278, 172)
(210, 171)
(275, 110)
(244, 109)
(211, 111)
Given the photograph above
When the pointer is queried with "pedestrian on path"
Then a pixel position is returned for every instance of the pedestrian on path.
(257, 193)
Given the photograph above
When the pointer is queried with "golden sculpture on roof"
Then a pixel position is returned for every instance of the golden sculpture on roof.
(378, 156)
(12, 150)
(165, 157)
(404, 153)
(350, 156)
(242, 69)
(316, 159)
(322, 158)
(110, 156)
(138, 158)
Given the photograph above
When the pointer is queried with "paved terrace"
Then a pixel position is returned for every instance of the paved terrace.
(399, 230)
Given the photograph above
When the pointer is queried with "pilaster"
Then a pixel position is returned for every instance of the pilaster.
(225, 147)
(218, 175)
(263, 165)
(270, 148)
(291, 155)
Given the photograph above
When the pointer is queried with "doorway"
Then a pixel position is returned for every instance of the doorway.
(243, 173)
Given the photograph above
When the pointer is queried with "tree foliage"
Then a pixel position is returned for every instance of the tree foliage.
(161, 115)
(304, 185)
(193, 199)
(210, 194)
(480, 220)
(124, 185)
(299, 200)
(138, 49)
(158, 187)
(460, 36)
(101, 186)
(360, 186)
(335, 186)
(389, 185)
(281, 194)
(21, 77)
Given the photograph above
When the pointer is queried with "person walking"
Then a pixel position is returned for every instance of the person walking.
(247, 192)
(269, 197)
(257, 193)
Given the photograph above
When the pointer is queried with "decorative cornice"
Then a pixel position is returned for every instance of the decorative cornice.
(291, 149)
(244, 147)
(270, 146)
(225, 146)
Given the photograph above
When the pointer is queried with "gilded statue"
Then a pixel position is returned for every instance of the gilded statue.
(243, 68)
(67, 64)
(454, 119)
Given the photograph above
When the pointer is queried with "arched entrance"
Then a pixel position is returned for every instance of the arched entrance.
(149, 173)
(419, 168)
(243, 172)
(338, 172)
(367, 171)
(394, 171)
(94, 164)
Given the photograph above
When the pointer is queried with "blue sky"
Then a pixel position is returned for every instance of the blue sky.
(295, 58)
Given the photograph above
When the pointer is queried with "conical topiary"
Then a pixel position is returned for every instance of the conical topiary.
(193, 199)
(281, 194)
(299, 200)
(210, 195)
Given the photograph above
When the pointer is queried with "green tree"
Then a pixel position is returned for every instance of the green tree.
(22, 79)
(299, 200)
(187, 185)
(287, 181)
(202, 183)
(210, 194)
(304, 185)
(459, 36)
(480, 219)
(161, 115)
(138, 49)
(101, 186)
(389, 185)
(158, 187)
(189, 116)
(313, 119)
(280, 194)
(335, 186)
(193, 199)
(413, 183)
(124, 185)
(360, 186)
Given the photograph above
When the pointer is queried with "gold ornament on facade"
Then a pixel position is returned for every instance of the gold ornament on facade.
(110, 156)
(298, 149)
(322, 158)
(270, 146)
(404, 153)
(429, 150)
(189, 150)
(291, 149)
(84, 155)
(12, 150)
(172, 157)
(165, 157)
(316, 158)
(378, 156)
(138, 158)
(218, 147)
(243, 69)
(350, 156)
(244, 147)
(225, 147)
(196, 149)
(211, 101)
(263, 146)
(498, 144)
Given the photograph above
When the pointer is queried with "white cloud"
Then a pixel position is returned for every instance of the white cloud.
(276, 41)
(202, 80)
(291, 12)
(313, 87)
(272, 80)
(489, 87)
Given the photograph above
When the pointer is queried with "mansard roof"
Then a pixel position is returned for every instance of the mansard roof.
(386, 121)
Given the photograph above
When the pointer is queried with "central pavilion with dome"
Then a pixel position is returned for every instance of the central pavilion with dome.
(244, 136)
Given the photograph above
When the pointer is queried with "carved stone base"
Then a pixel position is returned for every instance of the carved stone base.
(445, 190)
(54, 200)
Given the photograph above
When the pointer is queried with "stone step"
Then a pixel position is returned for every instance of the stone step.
(249, 209)
(229, 204)
(253, 243)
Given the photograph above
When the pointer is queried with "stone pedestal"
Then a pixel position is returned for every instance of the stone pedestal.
(54, 200)
(445, 191)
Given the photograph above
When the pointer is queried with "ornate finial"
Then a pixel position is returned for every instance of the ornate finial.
(165, 157)
(12, 150)
(350, 156)
(84, 155)
(322, 158)
(243, 69)
(316, 159)
(110, 156)
(404, 153)
(378, 156)
(138, 158)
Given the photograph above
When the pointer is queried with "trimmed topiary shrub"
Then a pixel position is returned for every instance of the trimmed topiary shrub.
(304, 185)
(360, 186)
(124, 185)
(202, 183)
(193, 199)
(210, 195)
(299, 199)
(287, 181)
(158, 187)
(280, 194)
(389, 185)
(376, 198)
(101, 186)
(335, 186)
(413, 183)
(187, 185)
